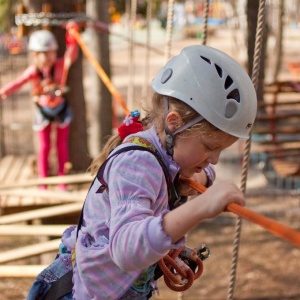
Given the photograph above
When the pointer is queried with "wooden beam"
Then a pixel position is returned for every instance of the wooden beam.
(22, 271)
(15, 167)
(5, 164)
(46, 194)
(278, 115)
(28, 251)
(33, 230)
(267, 129)
(41, 213)
(53, 180)
(279, 103)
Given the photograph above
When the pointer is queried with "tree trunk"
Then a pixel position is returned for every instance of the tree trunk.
(252, 14)
(78, 147)
(99, 98)
(278, 46)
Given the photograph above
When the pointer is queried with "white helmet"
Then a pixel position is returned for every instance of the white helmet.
(214, 85)
(42, 41)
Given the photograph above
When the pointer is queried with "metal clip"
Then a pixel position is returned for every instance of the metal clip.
(203, 252)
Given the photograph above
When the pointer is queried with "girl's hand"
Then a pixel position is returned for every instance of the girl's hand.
(215, 199)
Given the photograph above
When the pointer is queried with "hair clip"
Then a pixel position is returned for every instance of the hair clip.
(130, 125)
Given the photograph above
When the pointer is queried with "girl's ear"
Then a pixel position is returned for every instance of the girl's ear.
(173, 120)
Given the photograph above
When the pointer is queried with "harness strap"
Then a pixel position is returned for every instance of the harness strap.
(51, 118)
(41, 75)
(61, 287)
(172, 193)
(64, 284)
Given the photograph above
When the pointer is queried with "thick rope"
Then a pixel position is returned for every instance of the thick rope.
(205, 21)
(246, 154)
(169, 30)
(168, 47)
(145, 88)
(279, 34)
(285, 232)
(131, 63)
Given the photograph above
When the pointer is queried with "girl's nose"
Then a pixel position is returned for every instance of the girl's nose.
(214, 157)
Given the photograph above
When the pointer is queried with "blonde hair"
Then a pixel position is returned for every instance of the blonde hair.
(112, 143)
(154, 115)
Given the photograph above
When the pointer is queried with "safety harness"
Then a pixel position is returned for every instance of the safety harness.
(55, 94)
(179, 267)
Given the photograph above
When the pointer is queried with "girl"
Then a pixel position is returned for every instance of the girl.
(203, 102)
(46, 75)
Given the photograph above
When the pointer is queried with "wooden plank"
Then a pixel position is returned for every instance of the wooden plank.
(279, 103)
(41, 213)
(291, 153)
(28, 251)
(272, 147)
(278, 115)
(46, 194)
(277, 130)
(33, 230)
(5, 164)
(11, 204)
(285, 167)
(21, 271)
(282, 87)
(53, 180)
(15, 167)
(280, 143)
(28, 169)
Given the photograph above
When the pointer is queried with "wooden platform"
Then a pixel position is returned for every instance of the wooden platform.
(276, 132)
(38, 216)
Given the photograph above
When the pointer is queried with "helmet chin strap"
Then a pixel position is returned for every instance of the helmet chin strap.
(170, 136)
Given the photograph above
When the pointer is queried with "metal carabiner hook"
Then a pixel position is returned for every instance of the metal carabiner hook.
(203, 252)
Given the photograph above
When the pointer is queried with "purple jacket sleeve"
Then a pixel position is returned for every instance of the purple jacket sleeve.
(211, 174)
(138, 198)
(13, 86)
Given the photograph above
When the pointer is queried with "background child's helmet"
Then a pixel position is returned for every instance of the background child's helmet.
(42, 41)
(213, 84)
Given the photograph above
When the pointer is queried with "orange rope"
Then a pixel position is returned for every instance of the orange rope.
(99, 70)
(274, 227)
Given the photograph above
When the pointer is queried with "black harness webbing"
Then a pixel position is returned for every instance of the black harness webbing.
(61, 287)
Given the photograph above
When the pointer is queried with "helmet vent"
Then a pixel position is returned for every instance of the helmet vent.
(234, 94)
(230, 110)
(206, 59)
(228, 82)
(219, 70)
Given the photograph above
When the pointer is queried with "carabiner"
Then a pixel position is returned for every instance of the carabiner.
(203, 252)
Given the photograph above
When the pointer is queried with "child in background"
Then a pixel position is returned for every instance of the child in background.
(203, 102)
(47, 75)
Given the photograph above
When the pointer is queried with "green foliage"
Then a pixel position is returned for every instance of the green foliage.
(7, 14)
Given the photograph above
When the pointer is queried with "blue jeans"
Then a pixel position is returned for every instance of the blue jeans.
(60, 266)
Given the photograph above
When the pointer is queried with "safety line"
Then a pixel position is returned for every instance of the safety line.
(105, 79)
(274, 227)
